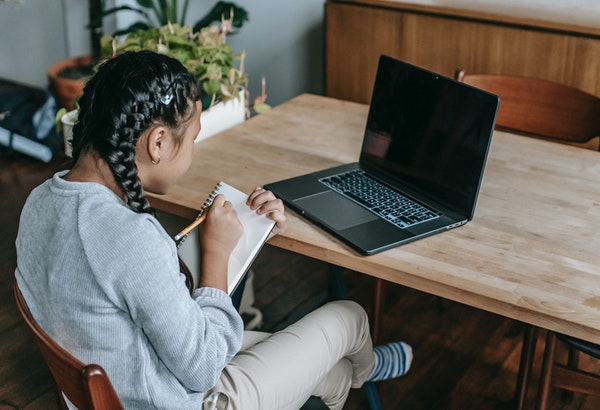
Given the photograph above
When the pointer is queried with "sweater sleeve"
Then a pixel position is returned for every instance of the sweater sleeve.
(136, 265)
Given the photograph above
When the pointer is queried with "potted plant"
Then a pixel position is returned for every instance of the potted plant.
(205, 53)
(70, 74)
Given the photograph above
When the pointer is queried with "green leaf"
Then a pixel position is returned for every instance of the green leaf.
(184, 12)
(212, 86)
(261, 108)
(57, 120)
(138, 25)
(162, 12)
(174, 40)
(145, 3)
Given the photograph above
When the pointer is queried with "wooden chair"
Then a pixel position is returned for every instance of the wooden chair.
(86, 386)
(567, 377)
(560, 113)
(542, 108)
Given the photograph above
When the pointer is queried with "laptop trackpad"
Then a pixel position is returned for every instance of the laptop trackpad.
(339, 212)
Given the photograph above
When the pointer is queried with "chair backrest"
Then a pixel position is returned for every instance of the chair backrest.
(86, 386)
(542, 108)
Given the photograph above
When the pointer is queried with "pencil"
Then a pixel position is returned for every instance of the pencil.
(191, 226)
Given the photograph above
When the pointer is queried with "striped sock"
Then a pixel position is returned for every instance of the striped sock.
(391, 360)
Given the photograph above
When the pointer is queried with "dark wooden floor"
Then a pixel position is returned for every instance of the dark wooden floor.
(464, 358)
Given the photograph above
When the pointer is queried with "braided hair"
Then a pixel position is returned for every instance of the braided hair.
(127, 95)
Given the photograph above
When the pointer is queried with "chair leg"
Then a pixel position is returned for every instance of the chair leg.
(380, 290)
(572, 363)
(546, 376)
(379, 304)
(372, 396)
(527, 355)
(573, 360)
(337, 285)
(314, 403)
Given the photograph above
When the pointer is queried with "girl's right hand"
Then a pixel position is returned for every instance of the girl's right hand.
(219, 234)
(222, 229)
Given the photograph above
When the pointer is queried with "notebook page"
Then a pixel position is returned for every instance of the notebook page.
(256, 231)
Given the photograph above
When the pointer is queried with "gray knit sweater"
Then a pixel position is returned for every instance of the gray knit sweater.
(105, 283)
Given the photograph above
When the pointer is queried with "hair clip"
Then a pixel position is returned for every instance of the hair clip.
(166, 99)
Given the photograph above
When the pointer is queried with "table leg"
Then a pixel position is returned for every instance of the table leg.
(525, 365)
(379, 304)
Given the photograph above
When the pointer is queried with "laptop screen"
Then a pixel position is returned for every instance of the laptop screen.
(429, 132)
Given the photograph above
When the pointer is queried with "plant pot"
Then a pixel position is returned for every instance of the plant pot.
(68, 120)
(221, 116)
(66, 90)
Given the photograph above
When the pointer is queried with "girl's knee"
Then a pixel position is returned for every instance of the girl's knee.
(351, 308)
(352, 317)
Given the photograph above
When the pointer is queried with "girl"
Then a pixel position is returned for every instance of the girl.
(102, 277)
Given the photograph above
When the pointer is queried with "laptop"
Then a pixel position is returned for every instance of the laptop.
(420, 167)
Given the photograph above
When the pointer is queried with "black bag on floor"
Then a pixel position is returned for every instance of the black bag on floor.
(30, 114)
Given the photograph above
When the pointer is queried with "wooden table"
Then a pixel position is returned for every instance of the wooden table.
(531, 253)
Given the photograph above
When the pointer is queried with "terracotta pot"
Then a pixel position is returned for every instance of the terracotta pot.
(65, 90)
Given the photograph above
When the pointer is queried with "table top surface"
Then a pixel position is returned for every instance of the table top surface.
(530, 253)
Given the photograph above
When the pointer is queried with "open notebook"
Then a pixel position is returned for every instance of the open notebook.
(256, 231)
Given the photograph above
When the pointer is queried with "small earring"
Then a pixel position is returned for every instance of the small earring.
(155, 162)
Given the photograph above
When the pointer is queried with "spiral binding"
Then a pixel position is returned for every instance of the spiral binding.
(210, 199)
(207, 203)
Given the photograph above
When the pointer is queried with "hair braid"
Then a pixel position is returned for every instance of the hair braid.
(121, 157)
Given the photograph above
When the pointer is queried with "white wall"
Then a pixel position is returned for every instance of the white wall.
(33, 35)
(283, 40)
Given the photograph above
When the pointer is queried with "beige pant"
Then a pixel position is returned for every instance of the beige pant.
(323, 354)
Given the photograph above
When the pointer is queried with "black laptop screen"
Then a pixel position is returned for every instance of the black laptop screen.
(430, 132)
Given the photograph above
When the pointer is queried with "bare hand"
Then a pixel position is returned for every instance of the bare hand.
(265, 203)
(222, 229)
(219, 235)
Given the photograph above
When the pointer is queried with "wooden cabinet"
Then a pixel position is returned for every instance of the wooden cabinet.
(444, 40)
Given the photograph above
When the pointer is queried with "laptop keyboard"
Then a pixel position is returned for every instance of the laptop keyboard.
(379, 199)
